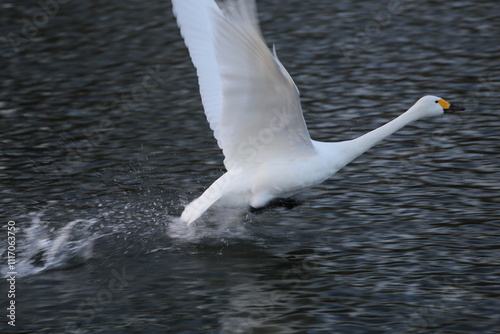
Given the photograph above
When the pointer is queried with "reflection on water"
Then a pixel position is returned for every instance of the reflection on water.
(104, 141)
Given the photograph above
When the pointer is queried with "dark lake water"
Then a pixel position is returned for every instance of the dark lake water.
(103, 141)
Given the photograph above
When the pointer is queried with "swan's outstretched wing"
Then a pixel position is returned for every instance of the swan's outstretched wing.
(250, 100)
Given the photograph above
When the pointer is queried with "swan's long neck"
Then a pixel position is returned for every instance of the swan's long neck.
(354, 148)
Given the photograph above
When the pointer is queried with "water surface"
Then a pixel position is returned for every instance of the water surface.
(103, 142)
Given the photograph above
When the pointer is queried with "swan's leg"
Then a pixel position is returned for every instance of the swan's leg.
(290, 203)
(197, 207)
(287, 203)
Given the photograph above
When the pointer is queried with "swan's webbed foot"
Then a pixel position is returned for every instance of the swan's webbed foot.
(287, 203)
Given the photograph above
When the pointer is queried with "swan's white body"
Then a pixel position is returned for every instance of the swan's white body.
(253, 107)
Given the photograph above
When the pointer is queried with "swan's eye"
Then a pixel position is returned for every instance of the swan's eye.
(437, 101)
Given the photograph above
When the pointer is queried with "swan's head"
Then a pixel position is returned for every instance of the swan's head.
(433, 106)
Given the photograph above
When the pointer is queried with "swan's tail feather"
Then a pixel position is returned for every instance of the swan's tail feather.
(197, 207)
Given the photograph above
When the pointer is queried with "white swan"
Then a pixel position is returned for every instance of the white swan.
(253, 107)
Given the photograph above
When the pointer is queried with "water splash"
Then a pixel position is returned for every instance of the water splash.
(46, 245)
(43, 247)
(218, 224)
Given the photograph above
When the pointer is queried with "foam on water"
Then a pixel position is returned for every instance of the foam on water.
(43, 247)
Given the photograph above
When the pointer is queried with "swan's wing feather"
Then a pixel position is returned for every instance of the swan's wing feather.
(195, 18)
(260, 118)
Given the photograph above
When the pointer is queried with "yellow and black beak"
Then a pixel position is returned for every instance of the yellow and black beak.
(447, 107)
